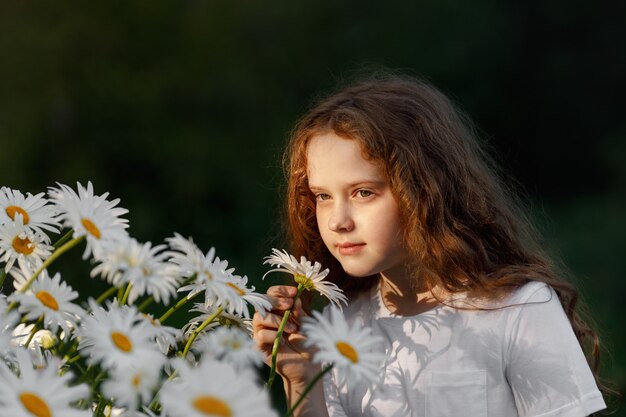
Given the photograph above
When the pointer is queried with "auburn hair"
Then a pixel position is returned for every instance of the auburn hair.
(464, 228)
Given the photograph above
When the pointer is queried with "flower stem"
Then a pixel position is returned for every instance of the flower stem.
(36, 328)
(309, 387)
(67, 236)
(55, 255)
(3, 275)
(105, 295)
(145, 303)
(175, 307)
(279, 335)
(126, 293)
(201, 327)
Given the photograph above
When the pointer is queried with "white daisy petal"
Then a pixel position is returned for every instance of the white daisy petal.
(307, 274)
(8, 321)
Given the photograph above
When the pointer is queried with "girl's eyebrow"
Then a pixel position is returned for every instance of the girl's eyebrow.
(360, 183)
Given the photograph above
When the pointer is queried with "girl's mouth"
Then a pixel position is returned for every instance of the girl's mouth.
(348, 248)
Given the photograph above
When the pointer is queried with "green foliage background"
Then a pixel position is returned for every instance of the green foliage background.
(181, 110)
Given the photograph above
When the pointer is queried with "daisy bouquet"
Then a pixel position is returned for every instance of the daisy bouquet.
(105, 354)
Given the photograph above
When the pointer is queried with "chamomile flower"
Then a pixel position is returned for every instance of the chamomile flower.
(306, 274)
(116, 337)
(90, 215)
(37, 214)
(133, 385)
(211, 274)
(241, 295)
(17, 243)
(40, 392)
(232, 345)
(224, 393)
(50, 298)
(141, 265)
(352, 349)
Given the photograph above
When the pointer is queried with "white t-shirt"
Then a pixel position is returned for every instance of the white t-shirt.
(520, 360)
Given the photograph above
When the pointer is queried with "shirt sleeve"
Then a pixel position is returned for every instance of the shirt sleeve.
(545, 365)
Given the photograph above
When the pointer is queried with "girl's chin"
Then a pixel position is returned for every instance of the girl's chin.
(358, 273)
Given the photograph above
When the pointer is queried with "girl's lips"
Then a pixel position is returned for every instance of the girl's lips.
(349, 248)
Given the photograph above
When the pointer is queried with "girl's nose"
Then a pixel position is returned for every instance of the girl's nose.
(341, 219)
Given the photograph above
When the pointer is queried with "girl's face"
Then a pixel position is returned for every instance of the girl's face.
(357, 214)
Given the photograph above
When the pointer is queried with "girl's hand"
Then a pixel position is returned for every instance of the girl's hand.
(293, 362)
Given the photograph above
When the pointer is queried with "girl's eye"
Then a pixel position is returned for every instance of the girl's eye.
(322, 197)
(364, 193)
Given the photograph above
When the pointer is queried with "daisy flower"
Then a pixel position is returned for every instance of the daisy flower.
(211, 274)
(225, 393)
(17, 243)
(36, 214)
(129, 387)
(350, 348)
(116, 337)
(90, 215)
(142, 266)
(40, 392)
(232, 345)
(306, 274)
(50, 298)
(241, 295)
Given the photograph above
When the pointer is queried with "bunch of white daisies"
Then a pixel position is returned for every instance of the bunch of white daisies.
(103, 355)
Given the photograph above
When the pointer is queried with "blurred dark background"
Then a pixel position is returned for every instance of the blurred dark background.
(181, 110)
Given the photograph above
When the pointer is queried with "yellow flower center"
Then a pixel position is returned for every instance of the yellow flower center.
(48, 300)
(35, 405)
(236, 288)
(23, 246)
(208, 274)
(13, 210)
(212, 406)
(348, 351)
(136, 380)
(304, 281)
(121, 341)
(91, 228)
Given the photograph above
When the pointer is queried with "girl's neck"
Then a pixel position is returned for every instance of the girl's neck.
(402, 297)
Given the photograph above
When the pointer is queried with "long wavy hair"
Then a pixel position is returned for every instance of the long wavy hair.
(463, 227)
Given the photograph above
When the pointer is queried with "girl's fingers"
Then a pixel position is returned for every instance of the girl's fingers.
(287, 291)
(281, 296)
(272, 321)
(264, 337)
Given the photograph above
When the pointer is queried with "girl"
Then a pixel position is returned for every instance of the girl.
(388, 187)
